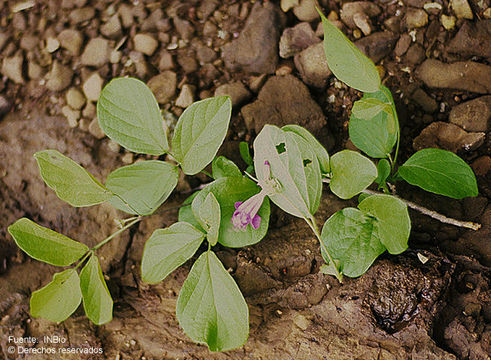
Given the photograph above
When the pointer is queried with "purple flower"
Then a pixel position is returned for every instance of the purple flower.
(246, 212)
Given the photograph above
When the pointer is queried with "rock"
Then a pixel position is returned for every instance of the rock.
(96, 53)
(59, 78)
(472, 39)
(89, 110)
(187, 62)
(184, 28)
(236, 90)
(305, 10)
(4, 38)
(145, 43)
(115, 56)
(482, 165)
(71, 40)
(416, 54)
(448, 22)
(377, 45)
(80, 15)
(71, 115)
(256, 49)
(465, 75)
(402, 45)
(297, 38)
(165, 62)
(473, 115)
(205, 54)
(462, 9)
(34, 70)
(283, 100)
(95, 129)
(52, 44)
(349, 10)
(75, 99)
(448, 137)
(126, 13)
(4, 106)
(428, 104)
(416, 18)
(289, 4)
(92, 87)
(112, 28)
(186, 96)
(312, 65)
(163, 86)
(12, 67)
(362, 21)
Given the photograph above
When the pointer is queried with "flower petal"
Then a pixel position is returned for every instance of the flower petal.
(256, 222)
(237, 204)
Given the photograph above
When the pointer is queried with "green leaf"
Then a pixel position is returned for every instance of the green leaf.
(59, 299)
(223, 167)
(383, 170)
(208, 215)
(186, 212)
(317, 148)
(441, 172)
(210, 308)
(245, 153)
(351, 173)
(98, 303)
(347, 62)
(167, 249)
(129, 114)
(199, 133)
(228, 191)
(351, 238)
(144, 185)
(70, 181)
(280, 150)
(44, 244)
(392, 221)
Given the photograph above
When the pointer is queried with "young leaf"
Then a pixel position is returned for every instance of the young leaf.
(383, 170)
(59, 299)
(211, 308)
(44, 244)
(351, 173)
(317, 148)
(441, 172)
(144, 185)
(199, 133)
(228, 191)
(97, 300)
(347, 62)
(129, 114)
(208, 215)
(223, 167)
(186, 212)
(70, 181)
(245, 153)
(351, 238)
(167, 249)
(393, 224)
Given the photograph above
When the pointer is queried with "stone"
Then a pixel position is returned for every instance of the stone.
(482, 165)
(163, 86)
(297, 38)
(472, 39)
(362, 21)
(184, 28)
(166, 62)
(34, 70)
(80, 15)
(448, 21)
(71, 115)
(52, 44)
(186, 96)
(4, 106)
(187, 62)
(92, 87)
(12, 67)
(428, 104)
(126, 13)
(283, 100)
(473, 115)
(377, 45)
(402, 45)
(115, 56)
(236, 90)
(449, 137)
(416, 18)
(312, 65)
(205, 54)
(75, 99)
(255, 51)
(96, 52)
(59, 78)
(464, 75)
(112, 27)
(71, 40)
(305, 10)
(89, 110)
(289, 4)
(416, 54)
(95, 129)
(349, 9)
(462, 9)
(145, 44)
(4, 38)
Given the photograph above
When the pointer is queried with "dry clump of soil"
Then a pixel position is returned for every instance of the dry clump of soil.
(434, 56)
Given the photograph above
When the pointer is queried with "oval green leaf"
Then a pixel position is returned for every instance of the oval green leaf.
(208, 215)
(59, 299)
(347, 62)
(351, 173)
(143, 186)
(440, 172)
(167, 249)
(129, 114)
(44, 244)
(210, 308)
(186, 212)
(70, 181)
(383, 170)
(200, 132)
(97, 300)
(223, 167)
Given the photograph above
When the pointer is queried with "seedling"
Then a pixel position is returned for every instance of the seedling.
(289, 168)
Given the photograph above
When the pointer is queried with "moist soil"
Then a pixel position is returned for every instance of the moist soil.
(435, 60)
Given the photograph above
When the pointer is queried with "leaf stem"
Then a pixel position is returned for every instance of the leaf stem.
(90, 252)
(110, 237)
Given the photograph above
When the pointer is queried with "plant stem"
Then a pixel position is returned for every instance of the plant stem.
(110, 237)
(432, 214)
(90, 252)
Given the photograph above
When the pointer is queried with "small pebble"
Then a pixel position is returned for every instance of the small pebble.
(186, 97)
(71, 115)
(92, 87)
(95, 129)
(52, 44)
(145, 44)
(75, 99)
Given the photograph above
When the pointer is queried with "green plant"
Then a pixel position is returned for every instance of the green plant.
(289, 168)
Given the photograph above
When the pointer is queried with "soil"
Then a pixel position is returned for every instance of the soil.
(431, 56)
